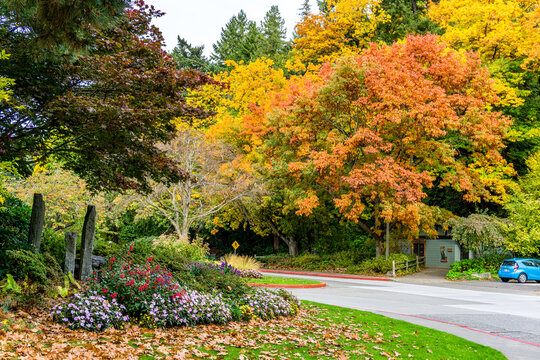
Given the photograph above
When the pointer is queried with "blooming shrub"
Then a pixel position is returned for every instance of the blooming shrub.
(134, 285)
(191, 308)
(201, 268)
(90, 312)
(268, 304)
(223, 278)
(252, 274)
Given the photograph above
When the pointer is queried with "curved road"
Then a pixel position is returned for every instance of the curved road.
(505, 318)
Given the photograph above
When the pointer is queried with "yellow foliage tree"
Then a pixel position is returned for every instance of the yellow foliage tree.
(495, 28)
(348, 25)
(500, 30)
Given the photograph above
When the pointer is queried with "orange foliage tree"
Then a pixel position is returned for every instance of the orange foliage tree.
(372, 132)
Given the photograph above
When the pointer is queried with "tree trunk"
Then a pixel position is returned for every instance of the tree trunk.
(414, 6)
(293, 247)
(378, 250)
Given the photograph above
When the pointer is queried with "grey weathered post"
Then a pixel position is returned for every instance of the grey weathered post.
(37, 220)
(71, 249)
(87, 243)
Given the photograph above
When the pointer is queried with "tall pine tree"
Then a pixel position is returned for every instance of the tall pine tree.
(274, 44)
(238, 42)
(188, 56)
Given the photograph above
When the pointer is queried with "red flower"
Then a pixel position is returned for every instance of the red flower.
(131, 247)
(114, 295)
(112, 260)
(122, 276)
(105, 291)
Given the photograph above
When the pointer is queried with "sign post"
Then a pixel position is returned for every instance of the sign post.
(235, 246)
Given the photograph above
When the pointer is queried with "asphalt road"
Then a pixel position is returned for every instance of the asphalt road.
(505, 317)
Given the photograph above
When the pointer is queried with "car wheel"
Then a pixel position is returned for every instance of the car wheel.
(505, 279)
(538, 281)
(522, 278)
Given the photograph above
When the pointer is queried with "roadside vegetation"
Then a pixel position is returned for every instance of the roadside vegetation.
(345, 262)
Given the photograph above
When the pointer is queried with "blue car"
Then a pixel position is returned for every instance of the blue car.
(520, 269)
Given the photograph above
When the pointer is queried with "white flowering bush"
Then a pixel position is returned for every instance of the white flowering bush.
(91, 312)
(267, 304)
(191, 308)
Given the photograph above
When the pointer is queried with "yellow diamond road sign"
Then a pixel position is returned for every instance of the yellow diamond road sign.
(235, 245)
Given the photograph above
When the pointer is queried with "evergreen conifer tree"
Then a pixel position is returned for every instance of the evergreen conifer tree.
(188, 56)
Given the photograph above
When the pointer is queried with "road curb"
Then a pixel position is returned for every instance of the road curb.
(326, 275)
(311, 286)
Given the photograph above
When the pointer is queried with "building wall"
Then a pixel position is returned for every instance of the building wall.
(441, 253)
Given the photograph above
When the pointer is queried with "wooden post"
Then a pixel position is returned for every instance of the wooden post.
(394, 268)
(87, 243)
(417, 263)
(407, 265)
(37, 220)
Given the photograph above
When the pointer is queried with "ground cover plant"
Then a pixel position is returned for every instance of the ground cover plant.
(320, 331)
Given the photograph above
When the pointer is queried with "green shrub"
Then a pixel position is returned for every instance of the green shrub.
(25, 264)
(380, 265)
(53, 243)
(465, 268)
(14, 224)
(40, 268)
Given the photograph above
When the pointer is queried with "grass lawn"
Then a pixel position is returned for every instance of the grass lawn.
(318, 332)
(277, 280)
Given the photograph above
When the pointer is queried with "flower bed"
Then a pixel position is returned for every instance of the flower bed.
(154, 297)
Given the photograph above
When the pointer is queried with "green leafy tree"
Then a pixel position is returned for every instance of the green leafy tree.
(103, 113)
(524, 211)
(478, 232)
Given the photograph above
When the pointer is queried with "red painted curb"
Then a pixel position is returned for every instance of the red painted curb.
(326, 275)
(451, 323)
(311, 286)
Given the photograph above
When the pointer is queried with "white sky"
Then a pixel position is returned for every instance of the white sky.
(200, 21)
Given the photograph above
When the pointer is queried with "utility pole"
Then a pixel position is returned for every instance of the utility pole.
(387, 240)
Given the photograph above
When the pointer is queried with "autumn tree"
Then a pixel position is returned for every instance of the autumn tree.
(506, 34)
(373, 131)
(215, 178)
(346, 27)
(101, 113)
(65, 194)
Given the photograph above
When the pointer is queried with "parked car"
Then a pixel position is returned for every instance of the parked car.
(520, 269)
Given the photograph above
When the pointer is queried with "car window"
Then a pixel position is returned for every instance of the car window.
(508, 263)
(536, 263)
(528, 263)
